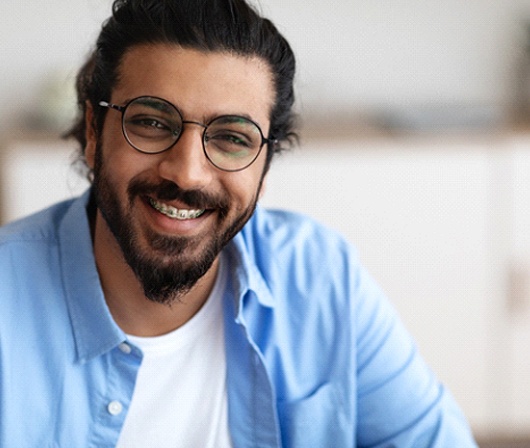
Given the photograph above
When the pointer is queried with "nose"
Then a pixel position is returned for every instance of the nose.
(185, 163)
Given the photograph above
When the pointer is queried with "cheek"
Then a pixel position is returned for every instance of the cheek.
(113, 170)
(121, 162)
(250, 186)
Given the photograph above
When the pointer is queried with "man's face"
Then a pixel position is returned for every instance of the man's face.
(137, 193)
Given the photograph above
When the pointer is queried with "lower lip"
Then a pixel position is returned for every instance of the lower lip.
(173, 225)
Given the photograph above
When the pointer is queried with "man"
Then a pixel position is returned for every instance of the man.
(162, 308)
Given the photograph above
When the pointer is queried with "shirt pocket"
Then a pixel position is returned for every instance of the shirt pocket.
(316, 420)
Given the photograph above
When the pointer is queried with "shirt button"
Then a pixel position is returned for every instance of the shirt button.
(114, 408)
(125, 348)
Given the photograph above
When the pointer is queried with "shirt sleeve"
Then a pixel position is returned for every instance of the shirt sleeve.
(400, 401)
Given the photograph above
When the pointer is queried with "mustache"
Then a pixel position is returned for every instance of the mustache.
(169, 191)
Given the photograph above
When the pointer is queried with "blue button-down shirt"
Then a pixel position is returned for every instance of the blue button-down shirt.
(316, 356)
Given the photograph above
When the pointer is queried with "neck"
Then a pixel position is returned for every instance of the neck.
(130, 308)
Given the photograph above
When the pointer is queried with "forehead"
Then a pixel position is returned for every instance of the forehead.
(201, 84)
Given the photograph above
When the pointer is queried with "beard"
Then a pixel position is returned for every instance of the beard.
(164, 268)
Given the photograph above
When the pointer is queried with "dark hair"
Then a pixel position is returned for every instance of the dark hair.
(206, 25)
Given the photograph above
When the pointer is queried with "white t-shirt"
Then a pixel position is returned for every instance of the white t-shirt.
(180, 396)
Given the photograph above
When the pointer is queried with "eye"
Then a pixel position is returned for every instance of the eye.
(227, 137)
(146, 122)
(150, 123)
(150, 127)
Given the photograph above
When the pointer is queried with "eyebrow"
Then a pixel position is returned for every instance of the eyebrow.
(164, 105)
(157, 104)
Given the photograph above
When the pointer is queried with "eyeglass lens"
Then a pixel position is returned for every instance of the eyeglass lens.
(153, 125)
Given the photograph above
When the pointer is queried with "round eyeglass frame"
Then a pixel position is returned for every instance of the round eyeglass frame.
(123, 109)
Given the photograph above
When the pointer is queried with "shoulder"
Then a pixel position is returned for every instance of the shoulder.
(309, 265)
(287, 232)
(40, 227)
(30, 258)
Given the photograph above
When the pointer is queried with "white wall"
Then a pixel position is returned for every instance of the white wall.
(366, 52)
(353, 54)
(40, 41)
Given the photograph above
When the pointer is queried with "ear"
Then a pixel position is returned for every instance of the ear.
(91, 136)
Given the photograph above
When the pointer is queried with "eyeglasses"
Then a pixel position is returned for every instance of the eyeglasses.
(153, 125)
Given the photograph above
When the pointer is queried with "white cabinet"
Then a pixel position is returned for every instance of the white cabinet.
(443, 225)
(515, 321)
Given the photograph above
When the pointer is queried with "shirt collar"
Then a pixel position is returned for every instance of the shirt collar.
(243, 261)
(94, 329)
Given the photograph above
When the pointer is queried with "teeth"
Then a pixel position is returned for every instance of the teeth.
(173, 212)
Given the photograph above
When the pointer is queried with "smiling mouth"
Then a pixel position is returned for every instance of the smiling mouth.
(175, 213)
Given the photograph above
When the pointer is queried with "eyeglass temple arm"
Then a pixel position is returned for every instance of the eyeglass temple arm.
(111, 106)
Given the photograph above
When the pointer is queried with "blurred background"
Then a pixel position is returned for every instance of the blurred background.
(415, 145)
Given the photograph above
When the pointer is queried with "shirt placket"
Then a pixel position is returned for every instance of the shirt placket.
(253, 417)
(123, 363)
